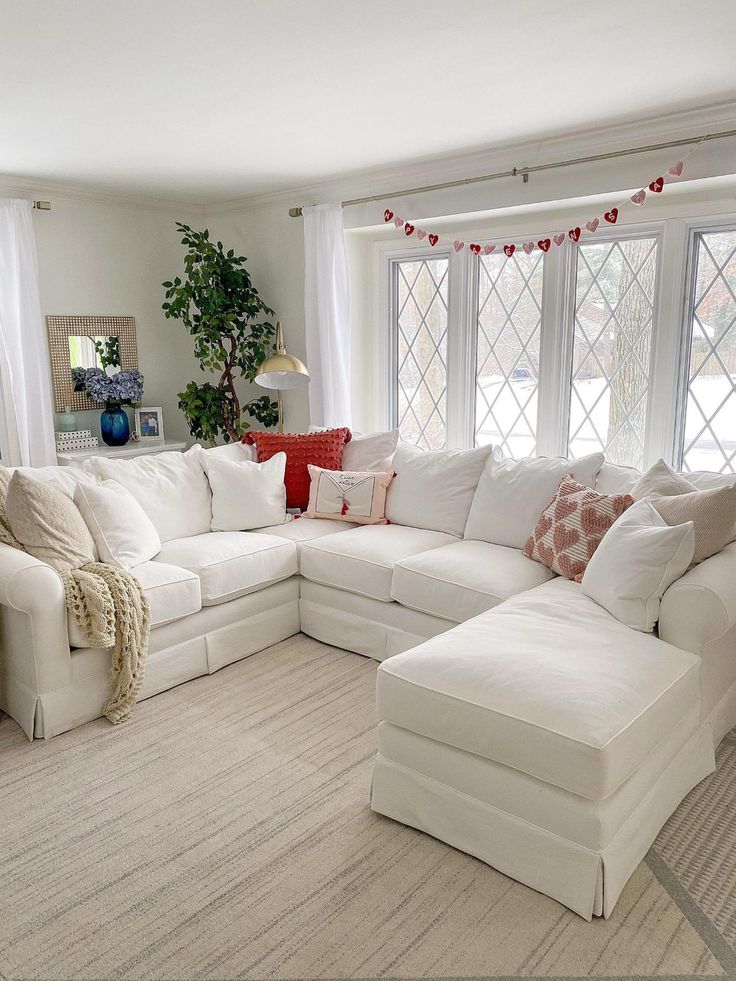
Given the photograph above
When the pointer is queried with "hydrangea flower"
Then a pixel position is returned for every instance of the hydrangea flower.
(122, 388)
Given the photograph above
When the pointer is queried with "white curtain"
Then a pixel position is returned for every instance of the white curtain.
(327, 315)
(26, 410)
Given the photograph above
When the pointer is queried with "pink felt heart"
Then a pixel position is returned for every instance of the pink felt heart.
(459, 246)
(676, 169)
(528, 247)
(398, 222)
(559, 239)
(487, 249)
(592, 225)
(421, 234)
(640, 197)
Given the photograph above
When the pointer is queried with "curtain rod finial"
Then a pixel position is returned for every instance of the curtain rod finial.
(295, 212)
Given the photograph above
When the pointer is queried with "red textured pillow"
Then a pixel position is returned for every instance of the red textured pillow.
(320, 449)
(572, 525)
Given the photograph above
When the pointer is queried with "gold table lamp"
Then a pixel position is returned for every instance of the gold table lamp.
(282, 371)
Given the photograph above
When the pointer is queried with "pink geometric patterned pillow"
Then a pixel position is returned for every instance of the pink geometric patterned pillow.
(572, 525)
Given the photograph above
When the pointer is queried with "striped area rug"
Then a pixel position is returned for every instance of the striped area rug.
(225, 833)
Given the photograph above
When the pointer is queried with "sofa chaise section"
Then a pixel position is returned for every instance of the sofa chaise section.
(553, 707)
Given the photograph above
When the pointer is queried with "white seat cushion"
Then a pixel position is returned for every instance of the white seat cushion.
(172, 593)
(548, 683)
(362, 560)
(232, 563)
(461, 580)
(302, 529)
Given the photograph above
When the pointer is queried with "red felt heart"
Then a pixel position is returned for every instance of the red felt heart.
(544, 244)
(387, 215)
(433, 239)
(474, 248)
(509, 250)
(559, 238)
(574, 233)
(657, 185)
(611, 216)
(408, 228)
(563, 538)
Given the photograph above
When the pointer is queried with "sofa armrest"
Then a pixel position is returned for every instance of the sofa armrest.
(701, 606)
(34, 640)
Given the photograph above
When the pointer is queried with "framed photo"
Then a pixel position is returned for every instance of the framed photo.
(149, 424)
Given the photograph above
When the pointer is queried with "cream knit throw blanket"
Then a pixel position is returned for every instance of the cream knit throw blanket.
(112, 611)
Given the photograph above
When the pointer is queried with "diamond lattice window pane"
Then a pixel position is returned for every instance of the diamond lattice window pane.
(614, 311)
(710, 411)
(507, 362)
(421, 348)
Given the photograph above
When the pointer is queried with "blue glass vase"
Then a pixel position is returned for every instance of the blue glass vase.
(114, 426)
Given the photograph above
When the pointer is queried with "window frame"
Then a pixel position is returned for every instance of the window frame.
(693, 228)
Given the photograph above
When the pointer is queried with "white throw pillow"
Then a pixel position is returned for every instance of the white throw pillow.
(122, 531)
(246, 495)
(638, 559)
(371, 453)
(434, 489)
(171, 488)
(512, 494)
(233, 451)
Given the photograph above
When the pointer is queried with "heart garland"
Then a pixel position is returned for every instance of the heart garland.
(610, 217)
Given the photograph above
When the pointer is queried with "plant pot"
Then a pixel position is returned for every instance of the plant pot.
(114, 426)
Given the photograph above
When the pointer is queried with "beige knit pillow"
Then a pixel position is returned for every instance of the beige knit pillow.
(712, 512)
(48, 524)
(660, 481)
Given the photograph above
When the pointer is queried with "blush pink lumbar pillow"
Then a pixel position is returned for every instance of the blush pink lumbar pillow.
(572, 525)
(348, 495)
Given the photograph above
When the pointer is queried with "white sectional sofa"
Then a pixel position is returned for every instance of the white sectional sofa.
(518, 720)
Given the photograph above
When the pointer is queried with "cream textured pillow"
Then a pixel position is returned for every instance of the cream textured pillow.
(635, 564)
(660, 481)
(712, 512)
(122, 531)
(48, 524)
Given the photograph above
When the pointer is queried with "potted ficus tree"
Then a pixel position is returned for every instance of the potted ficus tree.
(220, 307)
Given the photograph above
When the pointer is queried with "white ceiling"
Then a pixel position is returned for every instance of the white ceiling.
(211, 101)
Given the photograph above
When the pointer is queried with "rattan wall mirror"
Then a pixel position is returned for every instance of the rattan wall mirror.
(87, 342)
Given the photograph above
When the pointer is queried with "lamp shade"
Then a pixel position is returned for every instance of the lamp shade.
(282, 370)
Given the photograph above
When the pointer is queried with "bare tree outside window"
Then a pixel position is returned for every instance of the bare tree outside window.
(614, 315)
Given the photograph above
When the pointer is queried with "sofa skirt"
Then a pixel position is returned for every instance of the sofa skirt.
(196, 645)
(362, 624)
(584, 861)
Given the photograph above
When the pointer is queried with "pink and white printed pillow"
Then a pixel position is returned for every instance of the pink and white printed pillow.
(572, 525)
(348, 495)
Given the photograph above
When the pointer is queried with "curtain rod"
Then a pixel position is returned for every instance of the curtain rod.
(524, 172)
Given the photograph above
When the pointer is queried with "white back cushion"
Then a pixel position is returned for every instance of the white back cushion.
(232, 451)
(171, 488)
(64, 479)
(245, 494)
(434, 489)
(512, 494)
(122, 531)
(373, 452)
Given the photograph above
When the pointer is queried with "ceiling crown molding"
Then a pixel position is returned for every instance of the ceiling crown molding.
(456, 166)
(14, 186)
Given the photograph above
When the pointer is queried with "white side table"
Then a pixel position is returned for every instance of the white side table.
(75, 458)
